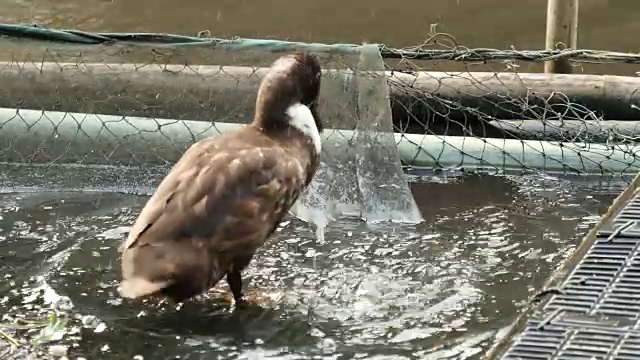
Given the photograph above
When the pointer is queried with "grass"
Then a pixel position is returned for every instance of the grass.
(52, 329)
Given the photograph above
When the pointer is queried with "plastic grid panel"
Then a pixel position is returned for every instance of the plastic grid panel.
(607, 280)
(603, 292)
(560, 340)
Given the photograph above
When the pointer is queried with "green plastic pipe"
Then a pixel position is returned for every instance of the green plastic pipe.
(32, 136)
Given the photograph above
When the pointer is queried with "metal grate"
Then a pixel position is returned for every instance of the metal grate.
(597, 315)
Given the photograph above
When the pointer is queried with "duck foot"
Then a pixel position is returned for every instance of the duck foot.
(255, 298)
(252, 297)
(221, 294)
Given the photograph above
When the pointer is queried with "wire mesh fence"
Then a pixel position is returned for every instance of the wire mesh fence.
(117, 116)
(512, 121)
(128, 108)
(504, 119)
(118, 104)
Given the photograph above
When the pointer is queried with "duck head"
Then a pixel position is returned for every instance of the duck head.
(288, 97)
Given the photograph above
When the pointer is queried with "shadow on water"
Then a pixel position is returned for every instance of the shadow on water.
(441, 289)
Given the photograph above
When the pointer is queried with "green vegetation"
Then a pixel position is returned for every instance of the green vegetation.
(52, 329)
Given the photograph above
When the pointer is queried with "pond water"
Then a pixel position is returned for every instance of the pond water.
(500, 24)
(441, 289)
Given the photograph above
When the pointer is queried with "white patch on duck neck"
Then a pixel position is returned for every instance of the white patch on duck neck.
(301, 118)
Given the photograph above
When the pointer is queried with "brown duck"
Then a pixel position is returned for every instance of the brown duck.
(227, 194)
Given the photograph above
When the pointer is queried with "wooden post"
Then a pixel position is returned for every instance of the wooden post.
(562, 28)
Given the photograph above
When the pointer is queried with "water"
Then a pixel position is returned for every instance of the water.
(441, 289)
(497, 24)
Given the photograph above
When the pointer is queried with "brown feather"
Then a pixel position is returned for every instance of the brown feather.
(225, 207)
(226, 195)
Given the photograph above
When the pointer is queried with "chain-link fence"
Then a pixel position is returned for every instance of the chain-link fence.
(130, 104)
(115, 112)
(488, 112)
(506, 121)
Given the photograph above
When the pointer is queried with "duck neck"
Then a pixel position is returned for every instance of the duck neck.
(295, 123)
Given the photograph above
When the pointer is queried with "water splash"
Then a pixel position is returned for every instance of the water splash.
(433, 290)
(384, 191)
(361, 177)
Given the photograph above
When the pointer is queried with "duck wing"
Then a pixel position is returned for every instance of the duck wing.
(224, 197)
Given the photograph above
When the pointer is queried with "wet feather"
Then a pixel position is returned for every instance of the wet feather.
(226, 195)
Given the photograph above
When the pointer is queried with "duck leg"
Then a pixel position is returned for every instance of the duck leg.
(234, 279)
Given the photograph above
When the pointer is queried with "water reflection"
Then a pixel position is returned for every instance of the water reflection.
(440, 289)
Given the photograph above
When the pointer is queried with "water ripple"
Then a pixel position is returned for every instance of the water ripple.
(437, 290)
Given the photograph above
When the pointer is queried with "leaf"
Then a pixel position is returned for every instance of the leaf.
(10, 339)
(56, 328)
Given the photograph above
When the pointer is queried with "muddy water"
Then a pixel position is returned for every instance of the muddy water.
(442, 289)
(604, 24)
